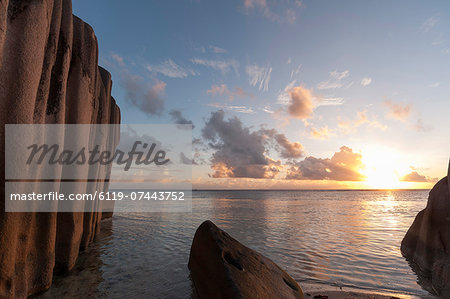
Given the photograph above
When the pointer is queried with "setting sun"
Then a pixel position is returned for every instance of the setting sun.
(384, 168)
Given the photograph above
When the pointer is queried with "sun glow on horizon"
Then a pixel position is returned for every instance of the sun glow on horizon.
(384, 168)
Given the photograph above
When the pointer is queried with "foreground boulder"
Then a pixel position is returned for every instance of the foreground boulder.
(221, 267)
(427, 242)
(49, 74)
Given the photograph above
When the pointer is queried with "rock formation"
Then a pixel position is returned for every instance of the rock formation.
(49, 73)
(427, 242)
(221, 267)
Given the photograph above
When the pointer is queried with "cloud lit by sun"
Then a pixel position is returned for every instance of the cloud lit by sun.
(385, 168)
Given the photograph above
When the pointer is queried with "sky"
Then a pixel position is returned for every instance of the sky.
(287, 94)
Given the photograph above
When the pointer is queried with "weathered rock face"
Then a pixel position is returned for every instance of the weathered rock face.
(427, 242)
(221, 267)
(48, 74)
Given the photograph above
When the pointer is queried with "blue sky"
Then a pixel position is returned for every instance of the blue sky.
(372, 76)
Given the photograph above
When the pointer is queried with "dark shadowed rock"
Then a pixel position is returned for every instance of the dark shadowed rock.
(49, 74)
(221, 267)
(427, 242)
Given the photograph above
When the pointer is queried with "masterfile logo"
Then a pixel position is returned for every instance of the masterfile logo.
(67, 168)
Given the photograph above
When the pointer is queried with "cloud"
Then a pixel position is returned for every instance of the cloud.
(330, 101)
(252, 3)
(186, 160)
(118, 59)
(179, 119)
(445, 51)
(344, 165)
(220, 90)
(217, 50)
(296, 71)
(429, 24)
(351, 126)
(148, 98)
(259, 76)
(434, 85)
(240, 109)
(301, 105)
(414, 176)
(287, 149)
(241, 152)
(366, 81)
(335, 80)
(397, 111)
(419, 126)
(224, 66)
(284, 98)
(268, 12)
(322, 133)
(170, 69)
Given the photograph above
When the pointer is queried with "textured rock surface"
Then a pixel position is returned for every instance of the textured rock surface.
(221, 267)
(427, 242)
(48, 74)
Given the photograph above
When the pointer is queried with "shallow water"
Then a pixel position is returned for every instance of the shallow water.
(348, 239)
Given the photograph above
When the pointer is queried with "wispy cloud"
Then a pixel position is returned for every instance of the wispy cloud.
(275, 11)
(335, 80)
(398, 111)
(366, 81)
(220, 90)
(362, 118)
(434, 85)
(328, 101)
(259, 76)
(420, 126)
(283, 97)
(321, 133)
(217, 50)
(240, 109)
(170, 69)
(118, 59)
(296, 71)
(223, 66)
(429, 24)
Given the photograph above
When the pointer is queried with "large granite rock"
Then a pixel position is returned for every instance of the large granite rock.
(221, 267)
(427, 242)
(48, 74)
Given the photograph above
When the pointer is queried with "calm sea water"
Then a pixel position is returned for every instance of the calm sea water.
(325, 239)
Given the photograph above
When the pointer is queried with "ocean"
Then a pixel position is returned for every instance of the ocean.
(323, 239)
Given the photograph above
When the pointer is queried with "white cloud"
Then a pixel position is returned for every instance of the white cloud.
(366, 81)
(434, 85)
(273, 13)
(217, 49)
(445, 51)
(170, 69)
(118, 59)
(429, 24)
(241, 109)
(268, 109)
(284, 98)
(330, 101)
(259, 76)
(296, 71)
(223, 66)
(339, 75)
(335, 80)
